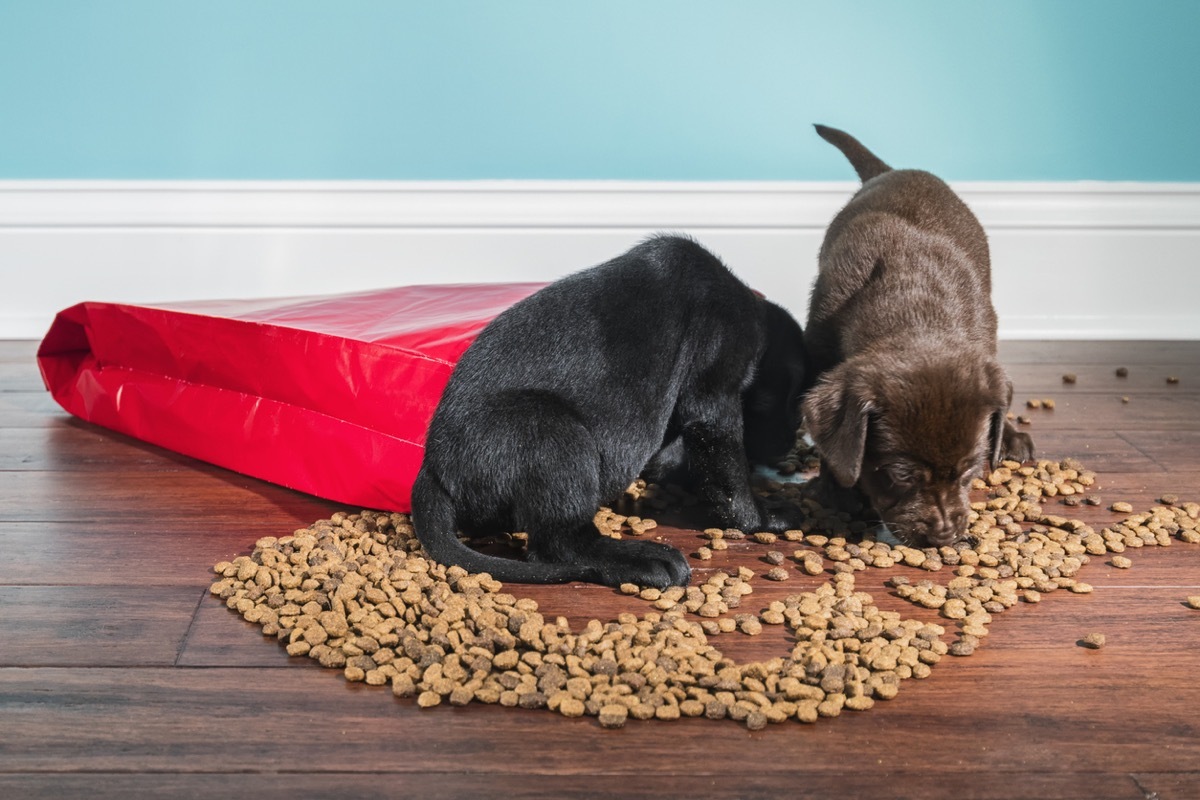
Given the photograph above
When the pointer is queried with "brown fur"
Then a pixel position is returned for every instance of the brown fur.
(910, 400)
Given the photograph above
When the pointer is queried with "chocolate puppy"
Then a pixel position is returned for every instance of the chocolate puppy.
(565, 397)
(910, 401)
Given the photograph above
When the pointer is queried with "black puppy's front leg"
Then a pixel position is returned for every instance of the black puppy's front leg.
(717, 458)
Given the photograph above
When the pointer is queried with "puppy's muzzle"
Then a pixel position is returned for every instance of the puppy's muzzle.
(946, 529)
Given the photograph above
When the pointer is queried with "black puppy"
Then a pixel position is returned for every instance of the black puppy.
(564, 398)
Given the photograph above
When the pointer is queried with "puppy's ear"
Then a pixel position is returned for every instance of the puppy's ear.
(836, 415)
(1000, 391)
(996, 437)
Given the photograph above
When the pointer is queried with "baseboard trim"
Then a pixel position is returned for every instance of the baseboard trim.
(1072, 260)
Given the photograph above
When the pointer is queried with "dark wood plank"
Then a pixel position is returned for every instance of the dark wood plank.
(1102, 451)
(1128, 353)
(166, 550)
(802, 785)
(77, 445)
(1172, 450)
(30, 409)
(1169, 785)
(1086, 412)
(1046, 380)
(127, 625)
(990, 709)
(225, 499)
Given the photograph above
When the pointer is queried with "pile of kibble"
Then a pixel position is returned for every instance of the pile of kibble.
(355, 593)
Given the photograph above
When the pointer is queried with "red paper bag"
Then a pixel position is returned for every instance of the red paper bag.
(328, 395)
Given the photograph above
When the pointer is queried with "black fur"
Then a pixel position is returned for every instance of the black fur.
(562, 400)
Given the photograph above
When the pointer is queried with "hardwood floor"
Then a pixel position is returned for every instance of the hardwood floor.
(120, 676)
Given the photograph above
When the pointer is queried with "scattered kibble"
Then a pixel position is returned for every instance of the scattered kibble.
(355, 593)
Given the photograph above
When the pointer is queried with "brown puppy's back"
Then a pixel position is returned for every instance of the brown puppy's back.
(878, 252)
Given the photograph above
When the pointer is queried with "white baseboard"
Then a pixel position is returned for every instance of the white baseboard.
(1070, 260)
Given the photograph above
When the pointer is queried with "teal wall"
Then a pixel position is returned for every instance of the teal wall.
(625, 89)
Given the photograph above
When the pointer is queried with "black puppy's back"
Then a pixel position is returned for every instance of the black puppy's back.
(563, 399)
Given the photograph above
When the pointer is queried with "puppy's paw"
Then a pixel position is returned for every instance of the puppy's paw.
(1016, 445)
(645, 564)
(783, 518)
(825, 492)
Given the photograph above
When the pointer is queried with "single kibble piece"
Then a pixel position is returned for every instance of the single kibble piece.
(613, 715)
(1122, 372)
(1169, 499)
(1093, 641)
(776, 574)
(962, 647)
(1172, 379)
(774, 557)
(1193, 601)
(1024, 420)
(1034, 403)
(1121, 507)
(1121, 562)
(1069, 377)
(1048, 404)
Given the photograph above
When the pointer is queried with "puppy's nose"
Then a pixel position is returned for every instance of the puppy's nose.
(947, 531)
(943, 537)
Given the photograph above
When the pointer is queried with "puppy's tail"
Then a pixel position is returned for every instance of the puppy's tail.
(865, 163)
(434, 523)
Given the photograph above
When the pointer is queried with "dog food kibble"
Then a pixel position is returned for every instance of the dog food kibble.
(1024, 420)
(1172, 379)
(1069, 377)
(356, 593)
(1169, 499)
(1125, 399)
(1193, 601)
(1048, 403)
(1093, 641)
(1122, 372)
(1034, 403)
(1121, 562)
(962, 647)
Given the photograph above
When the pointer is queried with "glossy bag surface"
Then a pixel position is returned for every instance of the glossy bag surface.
(327, 395)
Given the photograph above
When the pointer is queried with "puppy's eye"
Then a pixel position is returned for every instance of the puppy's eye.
(902, 476)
